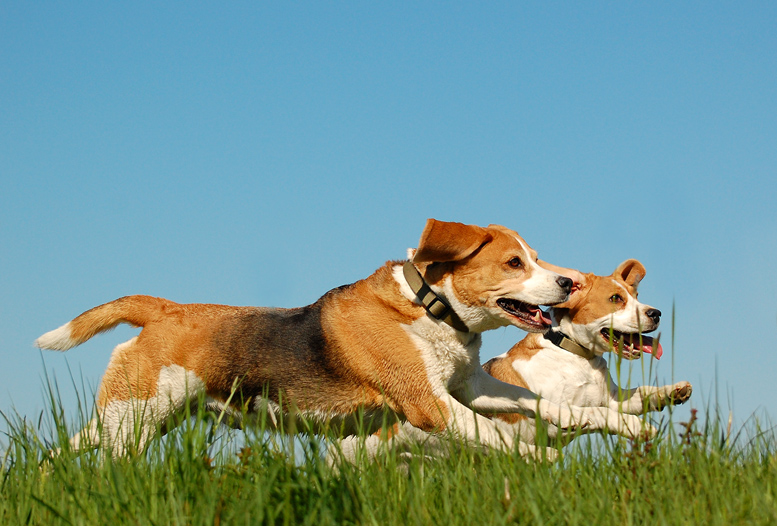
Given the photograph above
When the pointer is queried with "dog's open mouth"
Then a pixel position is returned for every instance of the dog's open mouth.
(530, 315)
(630, 345)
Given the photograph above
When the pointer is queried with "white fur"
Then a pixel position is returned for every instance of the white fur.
(541, 284)
(562, 377)
(133, 422)
(57, 340)
(574, 379)
(478, 319)
(449, 360)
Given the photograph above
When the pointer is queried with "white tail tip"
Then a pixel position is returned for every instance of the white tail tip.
(57, 340)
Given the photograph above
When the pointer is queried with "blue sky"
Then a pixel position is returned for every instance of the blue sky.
(259, 154)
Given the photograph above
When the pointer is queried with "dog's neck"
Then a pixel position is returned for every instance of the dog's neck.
(562, 341)
(436, 306)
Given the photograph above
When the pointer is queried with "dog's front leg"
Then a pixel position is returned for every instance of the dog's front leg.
(645, 398)
(408, 440)
(624, 424)
(399, 437)
(477, 429)
(485, 394)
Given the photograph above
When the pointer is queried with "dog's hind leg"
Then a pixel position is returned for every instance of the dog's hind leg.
(139, 394)
(128, 425)
(86, 439)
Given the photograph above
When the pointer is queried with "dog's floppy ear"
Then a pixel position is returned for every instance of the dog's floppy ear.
(631, 271)
(579, 281)
(443, 241)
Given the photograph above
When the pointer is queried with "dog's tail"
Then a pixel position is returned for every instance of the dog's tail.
(134, 310)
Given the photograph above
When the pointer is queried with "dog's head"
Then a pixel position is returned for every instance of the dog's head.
(603, 314)
(490, 276)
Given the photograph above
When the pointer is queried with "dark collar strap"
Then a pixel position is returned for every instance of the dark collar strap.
(559, 339)
(438, 308)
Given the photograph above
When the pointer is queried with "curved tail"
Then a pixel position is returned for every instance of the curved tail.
(134, 310)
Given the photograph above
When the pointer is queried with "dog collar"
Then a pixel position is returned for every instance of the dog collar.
(438, 308)
(559, 339)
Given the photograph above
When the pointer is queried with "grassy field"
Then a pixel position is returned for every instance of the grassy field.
(696, 474)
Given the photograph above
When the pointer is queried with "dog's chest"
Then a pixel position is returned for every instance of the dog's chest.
(449, 361)
(563, 377)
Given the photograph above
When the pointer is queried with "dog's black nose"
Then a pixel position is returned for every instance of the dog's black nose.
(654, 314)
(566, 284)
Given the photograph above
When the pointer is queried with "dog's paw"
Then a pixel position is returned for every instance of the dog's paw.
(572, 420)
(539, 454)
(681, 393)
(676, 394)
(630, 426)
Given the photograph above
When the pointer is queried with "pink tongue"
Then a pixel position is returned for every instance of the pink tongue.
(543, 317)
(647, 346)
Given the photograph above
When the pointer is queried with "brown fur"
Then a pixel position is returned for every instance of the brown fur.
(502, 369)
(386, 357)
(372, 358)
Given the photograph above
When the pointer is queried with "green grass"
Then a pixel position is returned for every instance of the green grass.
(199, 474)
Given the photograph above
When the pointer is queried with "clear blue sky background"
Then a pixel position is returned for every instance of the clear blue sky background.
(258, 154)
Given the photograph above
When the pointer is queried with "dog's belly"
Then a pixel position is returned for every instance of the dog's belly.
(267, 414)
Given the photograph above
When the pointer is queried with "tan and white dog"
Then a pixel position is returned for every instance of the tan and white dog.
(566, 365)
(406, 338)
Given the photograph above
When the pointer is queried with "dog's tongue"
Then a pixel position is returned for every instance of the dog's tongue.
(541, 316)
(649, 345)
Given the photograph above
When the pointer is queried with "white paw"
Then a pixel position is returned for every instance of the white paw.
(566, 420)
(681, 392)
(571, 420)
(529, 451)
(676, 394)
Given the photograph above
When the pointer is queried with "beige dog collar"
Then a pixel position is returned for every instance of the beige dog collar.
(559, 339)
(438, 308)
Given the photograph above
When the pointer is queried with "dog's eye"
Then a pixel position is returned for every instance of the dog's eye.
(616, 298)
(515, 263)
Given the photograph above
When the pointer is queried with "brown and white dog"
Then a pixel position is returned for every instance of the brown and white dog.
(406, 338)
(566, 365)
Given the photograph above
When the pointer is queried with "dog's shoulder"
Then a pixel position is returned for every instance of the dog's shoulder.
(502, 369)
(374, 298)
